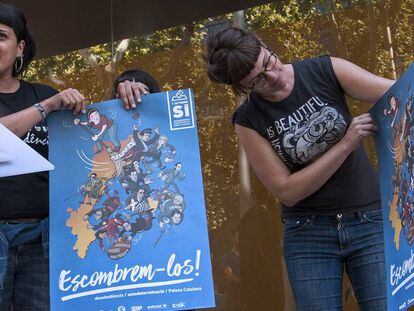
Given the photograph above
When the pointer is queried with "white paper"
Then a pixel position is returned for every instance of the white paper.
(16, 157)
(4, 157)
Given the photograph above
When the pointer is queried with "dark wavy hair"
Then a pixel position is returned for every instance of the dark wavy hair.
(136, 75)
(15, 19)
(230, 54)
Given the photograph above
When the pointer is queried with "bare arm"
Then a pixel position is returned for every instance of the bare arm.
(290, 188)
(22, 121)
(359, 83)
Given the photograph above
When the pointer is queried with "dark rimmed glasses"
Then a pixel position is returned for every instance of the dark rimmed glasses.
(259, 81)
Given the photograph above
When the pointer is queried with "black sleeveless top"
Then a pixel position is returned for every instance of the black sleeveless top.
(26, 196)
(307, 123)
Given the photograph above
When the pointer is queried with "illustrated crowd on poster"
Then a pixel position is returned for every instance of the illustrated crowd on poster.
(394, 116)
(402, 148)
(141, 193)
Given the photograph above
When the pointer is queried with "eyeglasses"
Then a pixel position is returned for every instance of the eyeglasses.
(259, 81)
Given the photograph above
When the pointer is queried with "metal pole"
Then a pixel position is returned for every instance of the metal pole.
(391, 51)
(244, 173)
(112, 31)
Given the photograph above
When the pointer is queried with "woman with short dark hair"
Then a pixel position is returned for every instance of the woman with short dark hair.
(305, 146)
(24, 204)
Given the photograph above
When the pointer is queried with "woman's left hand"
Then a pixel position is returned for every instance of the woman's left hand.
(69, 99)
(130, 93)
(360, 127)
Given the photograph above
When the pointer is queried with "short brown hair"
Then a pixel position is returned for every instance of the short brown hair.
(230, 55)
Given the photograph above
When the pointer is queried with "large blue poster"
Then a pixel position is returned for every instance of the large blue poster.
(394, 115)
(128, 221)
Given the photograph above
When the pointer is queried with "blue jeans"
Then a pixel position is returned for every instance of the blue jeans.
(318, 248)
(24, 266)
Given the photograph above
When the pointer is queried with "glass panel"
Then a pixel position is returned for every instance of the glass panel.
(376, 35)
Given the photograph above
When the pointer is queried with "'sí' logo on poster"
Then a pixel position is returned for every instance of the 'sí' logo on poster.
(181, 111)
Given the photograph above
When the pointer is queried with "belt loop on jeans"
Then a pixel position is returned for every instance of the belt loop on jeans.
(361, 215)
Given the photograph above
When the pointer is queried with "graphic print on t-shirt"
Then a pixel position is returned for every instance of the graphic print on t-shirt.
(38, 135)
(306, 133)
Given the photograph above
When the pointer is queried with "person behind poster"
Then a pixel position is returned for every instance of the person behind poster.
(130, 86)
(305, 146)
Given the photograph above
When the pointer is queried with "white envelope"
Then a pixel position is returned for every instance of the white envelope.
(17, 158)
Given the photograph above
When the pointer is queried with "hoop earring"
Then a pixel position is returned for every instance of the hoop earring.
(18, 64)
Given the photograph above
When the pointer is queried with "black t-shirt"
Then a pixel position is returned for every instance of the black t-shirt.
(307, 123)
(26, 196)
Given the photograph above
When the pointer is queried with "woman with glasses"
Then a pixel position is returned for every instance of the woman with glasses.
(305, 146)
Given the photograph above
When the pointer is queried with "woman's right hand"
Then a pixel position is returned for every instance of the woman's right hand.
(361, 126)
(130, 93)
(69, 99)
